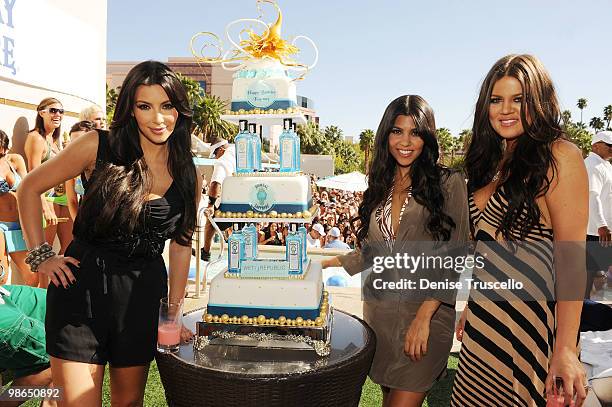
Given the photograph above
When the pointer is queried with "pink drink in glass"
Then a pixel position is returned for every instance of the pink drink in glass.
(168, 334)
(169, 327)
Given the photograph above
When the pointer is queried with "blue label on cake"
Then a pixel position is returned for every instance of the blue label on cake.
(261, 197)
(264, 268)
(261, 94)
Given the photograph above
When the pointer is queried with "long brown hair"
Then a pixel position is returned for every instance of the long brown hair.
(524, 174)
(425, 172)
(119, 192)
(39, 124)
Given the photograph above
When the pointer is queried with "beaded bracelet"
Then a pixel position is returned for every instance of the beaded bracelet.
(37, 251)
(41, 259)
(38, 255)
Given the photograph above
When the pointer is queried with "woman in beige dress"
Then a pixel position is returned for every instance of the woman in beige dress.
(411, 200)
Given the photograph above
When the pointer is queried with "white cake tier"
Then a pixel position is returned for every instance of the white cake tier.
(271, 194)
(263, 84)
(271, 298)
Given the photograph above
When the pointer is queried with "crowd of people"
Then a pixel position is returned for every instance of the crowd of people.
(331, 228)
(124, 193)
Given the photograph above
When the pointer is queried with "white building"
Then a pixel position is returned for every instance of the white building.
(50, 48)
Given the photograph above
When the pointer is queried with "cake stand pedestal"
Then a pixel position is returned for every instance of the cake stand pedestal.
(315, 338)
(222, 375)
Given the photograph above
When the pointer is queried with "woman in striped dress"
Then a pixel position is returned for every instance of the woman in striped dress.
(528, 189)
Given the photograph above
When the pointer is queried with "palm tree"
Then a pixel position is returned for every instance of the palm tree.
(313, 140)
(465, 138)
(608, 116)
(566, 116)
(111, 102)
(582, 103)
(596, 123)
(366, 143)
(207, 118)
(333, 134)
(445, 142)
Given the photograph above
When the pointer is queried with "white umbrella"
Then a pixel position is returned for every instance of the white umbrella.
(353, 181)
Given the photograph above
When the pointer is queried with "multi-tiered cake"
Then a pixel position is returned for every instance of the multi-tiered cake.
(281, 299)
(268, 296)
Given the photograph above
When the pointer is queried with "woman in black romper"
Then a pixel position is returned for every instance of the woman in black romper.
(141, 189)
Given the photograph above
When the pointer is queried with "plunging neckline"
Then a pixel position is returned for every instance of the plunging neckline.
(163, 196)
(501, 201)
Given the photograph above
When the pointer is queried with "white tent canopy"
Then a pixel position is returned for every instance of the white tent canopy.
(354, 181)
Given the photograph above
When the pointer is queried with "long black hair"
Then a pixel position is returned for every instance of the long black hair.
(120, 189)
(425, 172)
(524, 173)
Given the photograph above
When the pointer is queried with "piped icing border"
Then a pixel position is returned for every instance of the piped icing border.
(235, 315)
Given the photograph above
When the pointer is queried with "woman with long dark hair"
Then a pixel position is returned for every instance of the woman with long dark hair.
(528, 190)
(141, 189)
(43, 143)
(410, 199)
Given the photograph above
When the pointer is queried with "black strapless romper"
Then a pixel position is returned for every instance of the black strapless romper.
(110, 314)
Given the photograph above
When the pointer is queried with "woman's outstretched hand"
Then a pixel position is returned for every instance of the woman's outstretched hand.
(186, 334)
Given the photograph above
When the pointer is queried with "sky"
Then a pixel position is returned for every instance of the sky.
(371, 52)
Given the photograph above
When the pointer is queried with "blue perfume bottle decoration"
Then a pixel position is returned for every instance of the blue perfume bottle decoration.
(250, 241)
(244, 155)
(287, 148)
(302, 233)
(297, 165)
(235, 250)
(255, 146)
(294, 251)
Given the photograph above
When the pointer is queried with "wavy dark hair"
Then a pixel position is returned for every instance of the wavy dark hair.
(425, 172)
(524, 174)
(4, 140)
(39, 124)
(119, 191)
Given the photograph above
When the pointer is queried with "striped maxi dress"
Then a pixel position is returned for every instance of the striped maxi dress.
(508, 339)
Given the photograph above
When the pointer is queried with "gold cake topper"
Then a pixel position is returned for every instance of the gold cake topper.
(267, 45)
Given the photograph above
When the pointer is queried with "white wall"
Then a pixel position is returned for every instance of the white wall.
(320, 165)
(50, 48)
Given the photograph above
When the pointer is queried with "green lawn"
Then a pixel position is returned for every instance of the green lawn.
(370, 395)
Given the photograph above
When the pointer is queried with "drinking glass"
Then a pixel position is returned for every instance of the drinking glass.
(169, 328)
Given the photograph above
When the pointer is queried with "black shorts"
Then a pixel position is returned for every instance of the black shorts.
(110, 314)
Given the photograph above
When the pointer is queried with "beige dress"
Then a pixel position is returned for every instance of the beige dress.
(391, 314)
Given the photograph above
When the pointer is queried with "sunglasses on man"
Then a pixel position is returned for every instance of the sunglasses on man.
(54, 110)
